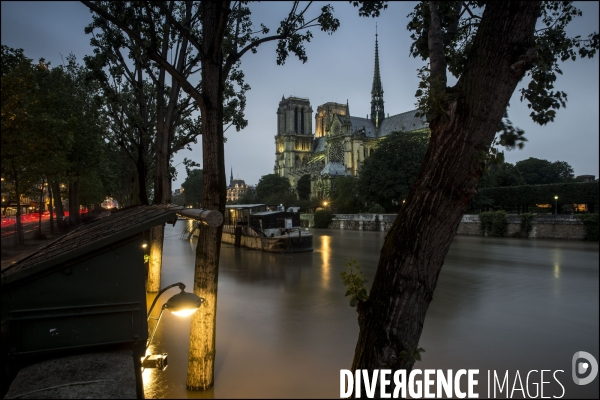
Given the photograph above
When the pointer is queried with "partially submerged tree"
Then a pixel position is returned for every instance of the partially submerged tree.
(219, 35)
(490, 48)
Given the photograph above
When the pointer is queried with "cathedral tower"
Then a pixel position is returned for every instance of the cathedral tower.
(293, 142)
(377, 111)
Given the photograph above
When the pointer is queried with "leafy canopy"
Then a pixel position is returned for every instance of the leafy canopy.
(388, 173)
(192, 188)
(541, 172)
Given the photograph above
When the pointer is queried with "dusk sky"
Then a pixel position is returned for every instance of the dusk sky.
(339, 68)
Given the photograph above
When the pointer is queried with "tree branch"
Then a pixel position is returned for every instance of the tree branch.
(437, 58)
(152, 54)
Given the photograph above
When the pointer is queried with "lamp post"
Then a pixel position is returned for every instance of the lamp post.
(182, 304)
(555, 205)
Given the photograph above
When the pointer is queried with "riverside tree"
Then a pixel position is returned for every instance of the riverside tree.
(388, 173)
(219, 35)
(163, 113)
(489, 47)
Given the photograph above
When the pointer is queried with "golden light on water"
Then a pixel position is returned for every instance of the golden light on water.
(325, 258)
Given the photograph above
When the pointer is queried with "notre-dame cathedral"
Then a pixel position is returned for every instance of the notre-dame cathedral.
(340, 142)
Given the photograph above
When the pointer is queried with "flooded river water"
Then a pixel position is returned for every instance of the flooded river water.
(285, 329)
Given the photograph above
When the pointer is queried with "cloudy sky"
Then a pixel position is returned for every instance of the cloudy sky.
(339, 68)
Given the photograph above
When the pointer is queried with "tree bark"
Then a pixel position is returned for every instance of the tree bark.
(391, 321)
(51, 208)
(60, 212)
(40, 211)
(203, 330)
(19, 237)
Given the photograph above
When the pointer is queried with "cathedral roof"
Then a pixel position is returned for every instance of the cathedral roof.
(404, 122)
(234, 182)
(358, 124)
(319, 145)
(333, 168)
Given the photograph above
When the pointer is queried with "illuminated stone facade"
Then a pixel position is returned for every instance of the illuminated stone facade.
(237, 188)
(340, 142)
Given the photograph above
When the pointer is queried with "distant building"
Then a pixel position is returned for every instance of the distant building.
(339, 142)
(237, 188)
(585, 178)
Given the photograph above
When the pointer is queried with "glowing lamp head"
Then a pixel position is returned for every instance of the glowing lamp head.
(144, 244)
(555, 197)
(184, 304)
(325, 203)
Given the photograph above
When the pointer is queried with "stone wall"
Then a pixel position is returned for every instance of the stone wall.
(546, 227)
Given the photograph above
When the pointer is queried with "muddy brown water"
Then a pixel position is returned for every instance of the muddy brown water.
(284, 328)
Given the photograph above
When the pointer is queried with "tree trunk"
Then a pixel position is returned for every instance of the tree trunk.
(391, 321)
(203, 330)
(40, 208)
(19, 237)
(60, 212)
(51, 208)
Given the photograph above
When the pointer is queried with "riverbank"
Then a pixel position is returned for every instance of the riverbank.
(543, 226)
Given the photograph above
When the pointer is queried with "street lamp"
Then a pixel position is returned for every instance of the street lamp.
(182, 304)
(325, 204)
(555, 206)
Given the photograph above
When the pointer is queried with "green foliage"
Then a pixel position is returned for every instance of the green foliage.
(590, 222)
(526, 225)
(460, 23)
(376, 209)
(323, 218)
(412, 356)
(493, 223)
(303, 187)
(388, 173)
(541, 172)
(501, 175)
(344, 195)
(354, 282)
(585, 192)
(193, 188)
(274, 189)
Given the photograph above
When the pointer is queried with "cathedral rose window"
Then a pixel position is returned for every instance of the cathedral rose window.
(336, 152)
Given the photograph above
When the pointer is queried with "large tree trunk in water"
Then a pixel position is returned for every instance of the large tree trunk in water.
(412, 256)
(202, 336)
(162, 189)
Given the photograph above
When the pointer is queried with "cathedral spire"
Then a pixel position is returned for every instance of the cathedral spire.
(347, 108)
(231, 179)
(377, 110)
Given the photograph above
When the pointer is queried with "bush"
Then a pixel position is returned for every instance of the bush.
(323, 218)
(590, 222)
(486, 222)
(526, 226)
(376, 209)
(493, 223)
(500, 224)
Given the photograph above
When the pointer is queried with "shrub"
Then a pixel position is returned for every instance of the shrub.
(500, 224)
(493, 223)
(526, 226)
(323, 218)
(590, 222)
(486, 222)
(376, 209)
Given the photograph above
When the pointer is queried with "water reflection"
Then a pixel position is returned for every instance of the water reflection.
(325, 256)
(285, 329)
